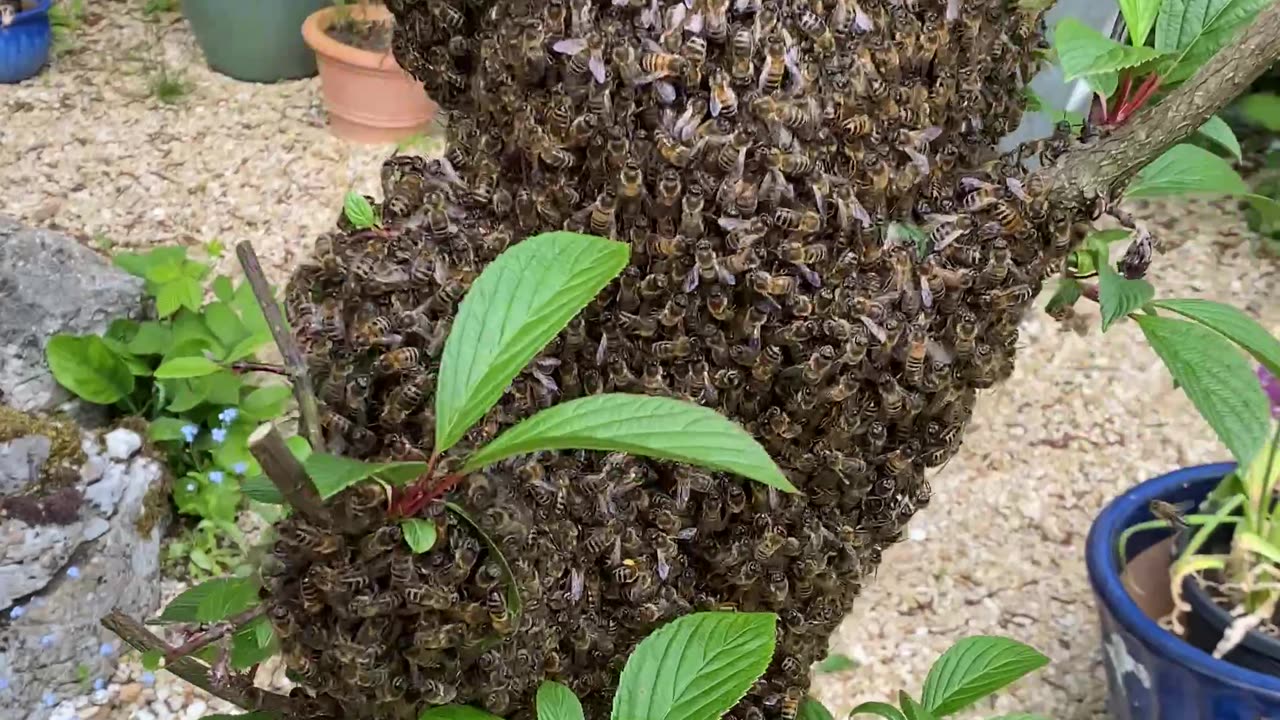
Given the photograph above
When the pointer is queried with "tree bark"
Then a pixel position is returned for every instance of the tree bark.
(1102, 169)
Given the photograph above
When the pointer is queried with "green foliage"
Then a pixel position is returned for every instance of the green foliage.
(879, 709)
(65, 18)
(811, 709)
(173, 369)
(557, 702)
(1217, 379)
(168, 86)
(834, 663)
(332, 474)
(1119, 295)
(1139, 18)
(695, 667)
(419, 534)
(518, 304)
(1084, 52)
(1238, 327)
(1186, 170)
(656, 427)
(212, 600)
(1261, 109)
(456, 712)
(1218, 131)
(152, 8)
(252, 643)
(1190, 32)
(359, 212)
(975, 668)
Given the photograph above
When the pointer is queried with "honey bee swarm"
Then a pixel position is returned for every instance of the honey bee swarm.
(760, 159)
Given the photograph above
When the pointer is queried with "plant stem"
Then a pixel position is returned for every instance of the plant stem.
(294, 361)
(243, 367)
(285, 472)
(1100, 170)
(213, 634)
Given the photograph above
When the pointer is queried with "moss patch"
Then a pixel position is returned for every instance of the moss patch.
(65, 454)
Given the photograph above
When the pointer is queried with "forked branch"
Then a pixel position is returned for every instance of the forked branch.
(1102, 169)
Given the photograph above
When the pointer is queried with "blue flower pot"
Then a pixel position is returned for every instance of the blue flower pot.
(1153, 674)
(24, 45)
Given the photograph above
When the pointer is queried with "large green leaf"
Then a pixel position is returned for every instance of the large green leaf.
(1217, 379)
(419, 534)
(212, 600)
(1192, 31)
(1235, 324)
(87, 367)
(1186, 170)
(187, 367)
(358, 211)
(261, 489)
(656, 427)
(456, 712)
(180, 293)
(1217, 130)
(974, 668)
(1261, 109)
(557, 702)
(334, 473)
(1068, 292)
(912, 709)
(880, 709)
(695, 667)
(517, 305)
(1119, 295)
(1139, 17)
(252, 644)
(1083, 51)
(266, 402)
(811, 709)
(152, 338)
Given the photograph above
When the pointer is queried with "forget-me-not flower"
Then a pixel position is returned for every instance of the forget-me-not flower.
(148, 678)
(49, 699)
(17, 612)
(240, 468)
(191, 487)
(228, 416)
(73, 572)
(189, 432)
(216, 477)
(219, 435)
(106, 649)
(100, 684)
(47, 640)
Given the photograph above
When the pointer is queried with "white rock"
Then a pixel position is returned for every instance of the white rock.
(918, 534)
(196, 710)
(122, 443)
(144, 714)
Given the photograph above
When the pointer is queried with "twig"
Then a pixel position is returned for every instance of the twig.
(243, 367)
(285, 472)
(213, 634)
(241, 694)
(294, 361)
(1097, 171)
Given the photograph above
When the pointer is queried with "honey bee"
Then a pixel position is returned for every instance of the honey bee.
(766, 284)
(917, 345)
(399, 360)
(769, 544)
(719, 304)
(706, 267)
(800, 224)
(1137, 257)
(672, 349)
(376, 331)
(601, 220)
(664, 246)
(584, 54)
(775, 64)
(1008, 297)
(791, 702)
(499, 613)
(723, 100)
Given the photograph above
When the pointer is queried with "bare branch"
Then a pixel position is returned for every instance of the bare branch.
(1100, 170)
(213, 634)
(287, 474)
(294, 362)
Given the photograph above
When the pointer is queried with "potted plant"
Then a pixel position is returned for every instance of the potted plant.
(368, 96)
(253, 40)
(25, 38)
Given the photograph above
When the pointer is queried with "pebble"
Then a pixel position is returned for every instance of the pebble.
(144, 714)
(122, 443)
(196, 710)
(129, 693)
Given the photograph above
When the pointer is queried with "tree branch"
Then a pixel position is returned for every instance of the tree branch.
(294, 361)
(213, 634)
(1101, 169)
(285, 472)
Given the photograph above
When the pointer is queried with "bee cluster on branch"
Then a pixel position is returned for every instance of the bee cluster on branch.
(762, 158)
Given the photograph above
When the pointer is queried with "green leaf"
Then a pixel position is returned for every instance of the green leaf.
(166, 428)
(882, 709)
(224, 387)
(191, 336)
(515, 603)
(419, 534)
(656, 427)
(1083, 51)
(151, 659)
(186, 367)
(181, 293)
(1066, 295)
(299, 446)
(1235, 324)
(1217, 379)
(517, 305)
(266, 402)
(908, 235)
(211, 601)
(225, 324)
(333, 473)
(132, 263)
(1103, 83)
(252, 644)
(1119, 295)
(1139, 17)
(87, 367)
(557, 702)
(222, 289)
(1261, 109)
(1217, 130)
(358, 211)
(912, 709)
(834, 663)
(261, 489)
(187, 394)
(974, 668)
(1186, 170)
(1192, 31)
(695, 667)
(811, 709)
(456, 712)
(152, 338)
(246, 303)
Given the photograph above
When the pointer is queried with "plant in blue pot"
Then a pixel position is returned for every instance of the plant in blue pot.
(25, 38)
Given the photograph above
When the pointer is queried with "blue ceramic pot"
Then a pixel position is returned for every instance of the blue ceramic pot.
(1153, 674)
(24, 45)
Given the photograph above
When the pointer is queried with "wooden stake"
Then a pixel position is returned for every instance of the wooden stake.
(267, 446)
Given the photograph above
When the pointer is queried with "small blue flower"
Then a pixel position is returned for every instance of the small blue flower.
(4, 684)
(100, 684)
(189, 432)
(228, 416)
(240, 468)
(219, 435)
(106, 649)
(47, 640)
(73, 572)
(191, 487)
(148, 678)
(216, 477)
(17, 612)
(49, 699)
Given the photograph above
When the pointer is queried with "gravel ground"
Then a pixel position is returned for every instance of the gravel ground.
(1000, 549)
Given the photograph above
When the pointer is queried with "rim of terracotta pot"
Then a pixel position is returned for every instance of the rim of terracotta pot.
(314, 33)
(1104, 575)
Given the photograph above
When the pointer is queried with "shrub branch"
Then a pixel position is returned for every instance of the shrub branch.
(1102, 169)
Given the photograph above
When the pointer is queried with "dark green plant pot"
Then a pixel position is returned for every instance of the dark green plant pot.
(254, 40)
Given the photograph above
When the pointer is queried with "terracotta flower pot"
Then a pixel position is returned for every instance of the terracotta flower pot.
(370, 98)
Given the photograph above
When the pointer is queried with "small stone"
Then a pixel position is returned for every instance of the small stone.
(144, 714)
(100, 697)
(122, 443)
(196, 710)
(175, 702)
(918, 534)
(94, 712)
(129, 693)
